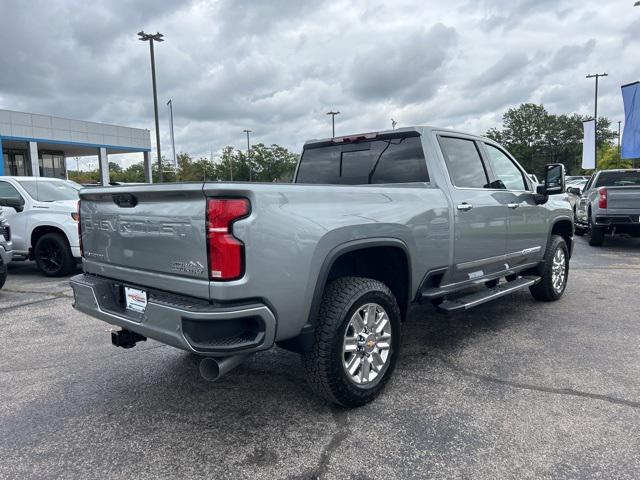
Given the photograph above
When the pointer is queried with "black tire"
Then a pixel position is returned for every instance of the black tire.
(596, 234)
(3, 273)
(324, 363)
(545, 289)
(53, 255)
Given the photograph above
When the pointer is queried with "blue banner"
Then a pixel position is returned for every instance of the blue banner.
(631, 136)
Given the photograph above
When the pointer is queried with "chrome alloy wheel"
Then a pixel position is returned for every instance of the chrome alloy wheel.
(559, 270)
(367, 344)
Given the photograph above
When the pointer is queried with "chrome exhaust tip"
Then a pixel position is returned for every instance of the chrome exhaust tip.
(211, 368)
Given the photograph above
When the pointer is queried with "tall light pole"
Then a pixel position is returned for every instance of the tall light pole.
(248, 152)
(157, 37)
(333, 122)
(595, 116)
(173, 142)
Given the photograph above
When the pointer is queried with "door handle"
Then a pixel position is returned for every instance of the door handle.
(464, 206)
(513, 206)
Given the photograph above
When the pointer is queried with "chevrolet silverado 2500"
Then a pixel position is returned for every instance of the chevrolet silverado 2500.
(329, 265)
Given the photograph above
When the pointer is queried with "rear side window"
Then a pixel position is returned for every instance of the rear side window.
(395, 160)
(463, 162)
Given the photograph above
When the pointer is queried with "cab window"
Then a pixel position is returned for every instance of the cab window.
(463, 162)
(9, 191)
(504, 169)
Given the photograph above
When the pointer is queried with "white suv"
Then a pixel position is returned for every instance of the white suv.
(42, 213)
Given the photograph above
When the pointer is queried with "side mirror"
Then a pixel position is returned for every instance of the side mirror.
(553, 180)
(12, 202)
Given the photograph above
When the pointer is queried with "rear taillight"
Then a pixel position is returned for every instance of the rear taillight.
(79, 219)
(602, 200)
(226, 252)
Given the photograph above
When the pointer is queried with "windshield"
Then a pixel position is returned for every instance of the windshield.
(49, 191)
(618, 179)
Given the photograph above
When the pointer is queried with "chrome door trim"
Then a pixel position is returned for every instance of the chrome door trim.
(498, 258)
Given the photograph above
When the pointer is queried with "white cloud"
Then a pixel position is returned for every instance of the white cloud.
(276, 67)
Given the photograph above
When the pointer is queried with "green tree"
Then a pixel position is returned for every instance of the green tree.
(267, 164)
(114, 168)
(608, 157)
(536, 137)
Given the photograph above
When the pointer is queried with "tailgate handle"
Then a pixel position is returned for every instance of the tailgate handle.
(124, 200)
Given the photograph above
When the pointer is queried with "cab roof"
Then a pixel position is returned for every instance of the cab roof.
(422, 130)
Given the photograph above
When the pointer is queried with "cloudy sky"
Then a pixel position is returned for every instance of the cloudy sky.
(277, 66)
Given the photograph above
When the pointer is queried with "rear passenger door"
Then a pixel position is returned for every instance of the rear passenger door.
(480, 219)
(526, 219)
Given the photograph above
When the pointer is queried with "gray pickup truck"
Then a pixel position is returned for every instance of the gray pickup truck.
(6, 250)
(326, 266)
(609, 203)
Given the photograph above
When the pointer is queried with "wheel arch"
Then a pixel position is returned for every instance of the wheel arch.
(331, 269)
(41, 230)
(334, 267)
(563, 226)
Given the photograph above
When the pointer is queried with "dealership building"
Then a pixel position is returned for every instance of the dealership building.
(39, 145)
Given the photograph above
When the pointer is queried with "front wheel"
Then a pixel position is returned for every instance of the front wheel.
(53, 255)
(356, 341)
(554, 273)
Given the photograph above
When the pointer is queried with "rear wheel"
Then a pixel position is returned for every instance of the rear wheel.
(356, 342)
(555, 271)
(53, 255)
(596, 234)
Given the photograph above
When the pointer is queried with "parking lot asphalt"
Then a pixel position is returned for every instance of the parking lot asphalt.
(512, 389)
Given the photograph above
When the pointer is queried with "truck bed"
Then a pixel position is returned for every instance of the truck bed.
(156, 237)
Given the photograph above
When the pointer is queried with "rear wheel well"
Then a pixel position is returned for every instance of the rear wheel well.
(42, 230)
(565, 230)
(386, 264)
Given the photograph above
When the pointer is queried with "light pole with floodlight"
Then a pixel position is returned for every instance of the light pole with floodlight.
(157, 37)
(333, 122)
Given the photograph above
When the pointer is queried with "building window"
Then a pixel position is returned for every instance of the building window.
(52, 165)
(15, 163)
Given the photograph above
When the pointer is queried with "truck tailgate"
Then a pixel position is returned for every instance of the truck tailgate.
(151, 232)
(622, 198)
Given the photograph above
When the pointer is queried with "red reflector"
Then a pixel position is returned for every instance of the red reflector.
(80, 230)
(602, 200)
(226, 253)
